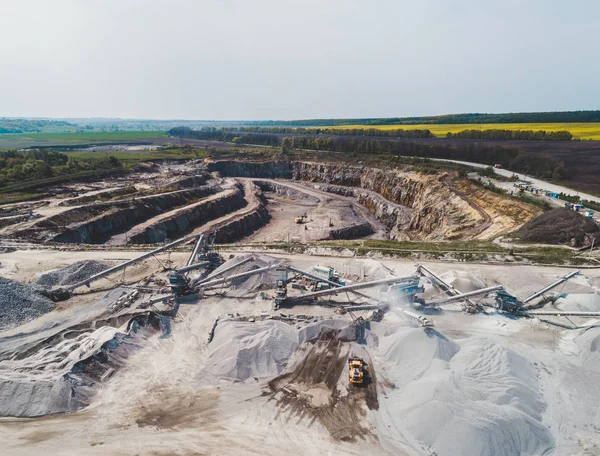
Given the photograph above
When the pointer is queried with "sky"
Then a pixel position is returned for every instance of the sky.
(289, 59)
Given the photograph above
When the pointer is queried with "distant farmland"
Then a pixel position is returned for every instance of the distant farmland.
(581, 130)
(23, 140)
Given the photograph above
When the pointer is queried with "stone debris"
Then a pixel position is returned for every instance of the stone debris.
(71, 274)
(20, 303)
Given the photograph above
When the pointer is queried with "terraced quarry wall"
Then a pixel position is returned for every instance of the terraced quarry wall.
(178, 223)
(96, 223)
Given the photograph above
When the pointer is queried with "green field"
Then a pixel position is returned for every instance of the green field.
(23, 140)
(581, 130)
(133, 157)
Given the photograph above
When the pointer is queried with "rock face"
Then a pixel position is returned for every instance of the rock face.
(435, 211)
(272, 170)
(412, 205)
(394, 216)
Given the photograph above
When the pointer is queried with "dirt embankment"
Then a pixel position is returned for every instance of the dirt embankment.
(350, 221)
(271, 170)
(561, 226)
(506, 214)
(394, 216)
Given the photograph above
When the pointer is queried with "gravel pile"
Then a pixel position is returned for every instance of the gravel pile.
(561, 226)
(71, 274)
(20, 303)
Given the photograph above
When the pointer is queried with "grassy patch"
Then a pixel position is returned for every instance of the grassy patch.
(18, 197)
(23, 140)
(133, 157)
(477, 246)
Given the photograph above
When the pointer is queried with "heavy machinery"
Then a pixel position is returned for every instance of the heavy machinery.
(507, 302)
(63, 293)
(344, 289)
(302, 219)
(401, 293)
(207, 253)
(179, 283)
(326, 273)
(421, 319)
(357, 370)
(281, 286)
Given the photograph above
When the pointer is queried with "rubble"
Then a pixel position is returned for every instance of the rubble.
(73, 273)
(20, 303)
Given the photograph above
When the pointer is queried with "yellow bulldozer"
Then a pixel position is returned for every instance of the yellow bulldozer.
(357, 370)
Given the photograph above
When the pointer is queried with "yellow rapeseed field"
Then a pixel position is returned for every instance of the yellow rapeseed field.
(580, 130)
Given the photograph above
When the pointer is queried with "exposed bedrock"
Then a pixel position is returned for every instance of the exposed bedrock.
(284, 190)
(184, 221)
(353, 231)
(97, 223)
(273, 169)
(431, 209)
(394, 216)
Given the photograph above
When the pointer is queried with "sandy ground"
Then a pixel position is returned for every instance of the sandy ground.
(480, 384)
(325, 212)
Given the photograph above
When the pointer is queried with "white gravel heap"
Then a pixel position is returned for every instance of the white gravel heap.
(71, 274)
(472, 398)
(20, 303)
(241, 350)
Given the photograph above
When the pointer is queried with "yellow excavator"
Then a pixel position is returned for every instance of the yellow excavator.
(357, 370)
(302, 219)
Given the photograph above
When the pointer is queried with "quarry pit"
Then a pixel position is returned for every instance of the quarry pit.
(163, 340)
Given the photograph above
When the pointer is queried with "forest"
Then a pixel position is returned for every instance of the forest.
(32, 165)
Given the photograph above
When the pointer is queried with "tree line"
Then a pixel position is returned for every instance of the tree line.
(509, 135)
(478, 118)
(28, 126)
(396, 133)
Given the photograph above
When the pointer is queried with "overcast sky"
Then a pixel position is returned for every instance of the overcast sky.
(289, 59)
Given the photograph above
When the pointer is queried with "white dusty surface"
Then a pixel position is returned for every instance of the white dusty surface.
(476, 384)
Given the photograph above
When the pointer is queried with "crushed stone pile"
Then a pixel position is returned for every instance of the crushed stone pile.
(463, 280)
(242, 351)
(20, 303)
(74, 273)
(249, 285)
(579, 302)
(560, 226)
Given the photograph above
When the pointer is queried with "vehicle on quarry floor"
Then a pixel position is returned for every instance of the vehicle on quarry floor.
(302, 219)
(357, 370)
